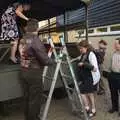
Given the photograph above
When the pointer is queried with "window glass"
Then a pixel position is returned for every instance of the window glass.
(115, 28)
(91, 31)
(80, 32)
(101, 29)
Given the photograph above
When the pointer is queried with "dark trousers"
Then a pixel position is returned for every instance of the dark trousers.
(114, 85)
(101, 84)
(33, 93)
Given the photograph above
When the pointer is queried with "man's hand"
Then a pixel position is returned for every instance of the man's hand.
(80, 64)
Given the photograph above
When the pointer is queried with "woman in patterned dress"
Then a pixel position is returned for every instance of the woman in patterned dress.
(9, 28)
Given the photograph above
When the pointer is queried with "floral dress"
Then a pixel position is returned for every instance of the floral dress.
(9, 29)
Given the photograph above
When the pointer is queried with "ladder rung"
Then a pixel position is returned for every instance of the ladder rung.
(48, 77)
(72, 60)
(64, 62)
(58, 47)
(79, 83)
(44, 95)
(67, 76)
(69, 88)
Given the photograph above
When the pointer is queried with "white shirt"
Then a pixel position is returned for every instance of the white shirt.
(95, 74)
(115, 66)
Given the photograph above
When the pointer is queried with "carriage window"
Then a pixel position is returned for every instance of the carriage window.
(80, 32)
(115, 28)
(91, 31)
(102, 29)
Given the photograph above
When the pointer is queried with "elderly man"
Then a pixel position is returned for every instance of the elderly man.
(114, 77)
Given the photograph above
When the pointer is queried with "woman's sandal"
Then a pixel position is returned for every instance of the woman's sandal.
(92, 114)
(88, 111)
(12, 62)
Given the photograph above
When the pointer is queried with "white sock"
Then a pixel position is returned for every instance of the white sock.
(93, 110)
(87, 107)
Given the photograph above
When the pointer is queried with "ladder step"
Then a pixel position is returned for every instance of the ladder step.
(79, 83)
(44, 95)
(69, 88)
(72, 60)
(64, 62)
(50, 78)
(58, 47)
(66, 76)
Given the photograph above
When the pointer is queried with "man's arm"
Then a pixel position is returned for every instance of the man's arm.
(21, 15)
(40, 52)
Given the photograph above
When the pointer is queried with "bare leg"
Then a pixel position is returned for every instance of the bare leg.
(13, 50)
(92, 100)
(20, 50)
(86, 101)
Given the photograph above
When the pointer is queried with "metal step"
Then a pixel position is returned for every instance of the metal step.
(67, 76)
(50, 78)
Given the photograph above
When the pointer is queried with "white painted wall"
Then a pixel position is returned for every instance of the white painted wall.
(94, 41)
(110, 47)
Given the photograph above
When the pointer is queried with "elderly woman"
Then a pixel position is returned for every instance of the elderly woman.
(89, 76)
(9, 28)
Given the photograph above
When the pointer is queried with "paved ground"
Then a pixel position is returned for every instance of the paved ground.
(60, 110)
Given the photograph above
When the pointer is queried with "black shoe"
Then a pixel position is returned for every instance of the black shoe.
(92, 114)
(112, 111)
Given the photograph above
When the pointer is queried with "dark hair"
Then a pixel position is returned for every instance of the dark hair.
(103, 42)
(85, 43)
(32, 25)
(17, 4)
(118, 39)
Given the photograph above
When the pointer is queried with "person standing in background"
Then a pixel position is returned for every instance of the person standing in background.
(100, 54)
(114, 77)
